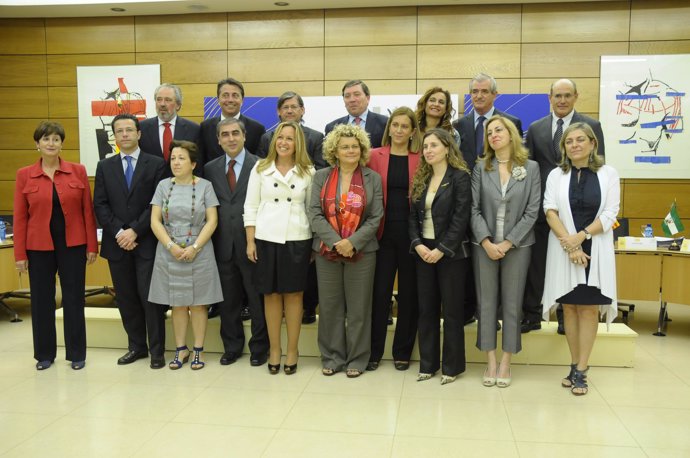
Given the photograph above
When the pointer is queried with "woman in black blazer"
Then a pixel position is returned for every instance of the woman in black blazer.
(439, 222)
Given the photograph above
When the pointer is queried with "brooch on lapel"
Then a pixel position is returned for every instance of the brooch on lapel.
(519, 173)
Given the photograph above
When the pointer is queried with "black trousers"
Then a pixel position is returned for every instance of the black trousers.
(236, 279)
(131, 279)
(70, 264)
(440, 294)
(394, 255)
(534, 287)
(311, 293)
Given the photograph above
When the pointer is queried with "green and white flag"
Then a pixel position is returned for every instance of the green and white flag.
(672, 223)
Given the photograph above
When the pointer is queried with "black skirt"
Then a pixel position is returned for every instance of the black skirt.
(282, 267)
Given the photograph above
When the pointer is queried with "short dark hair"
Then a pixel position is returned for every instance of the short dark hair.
(122, 116)
(290, 95)
(188, 146)
(228, 121)
(352, 83)
(232, 82)
(49, 128)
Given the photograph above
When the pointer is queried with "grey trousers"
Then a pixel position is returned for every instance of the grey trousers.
(345, 293)
(506, 277)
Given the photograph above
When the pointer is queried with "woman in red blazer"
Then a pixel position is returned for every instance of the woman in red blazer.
(396, 162)
(54, 232)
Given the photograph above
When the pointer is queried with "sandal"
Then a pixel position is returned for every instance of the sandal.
(197, 363)
(353, 373)
(567, 382)
(487, 380)
(580, 383)
(327, 371)
(176, 363)
(273, 369)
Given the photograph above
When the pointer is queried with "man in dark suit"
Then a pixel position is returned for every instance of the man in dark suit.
(483, 92)
(356, 97)
(291, 108)
(157, 133)
(124, 186)
(230, 93)
(229, 175)
(542, 141)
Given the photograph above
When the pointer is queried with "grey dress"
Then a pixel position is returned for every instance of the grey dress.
(178, 283)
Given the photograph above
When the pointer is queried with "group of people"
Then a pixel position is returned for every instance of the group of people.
(472, 221)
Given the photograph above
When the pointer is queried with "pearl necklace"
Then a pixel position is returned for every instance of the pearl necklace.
(502, 162)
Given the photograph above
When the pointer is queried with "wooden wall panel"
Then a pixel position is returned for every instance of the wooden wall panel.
(23, 102)
(63, 102)
(381, 87)
(23, 70)
(574, 59)
(587, 88)
(90, 35)
(13, 160)
(276, 88)
(461, 86)
(188, 67)
(22, 36)
(468, 24)
(660, 47)
(653, 198)
(184, 32)
(62, 68)
(465, 61)
(193, 98)
(261, 65)
(659, 20)
(371, 26)
(366, 63)
(593, 21)
(289, 29)
(6, 196)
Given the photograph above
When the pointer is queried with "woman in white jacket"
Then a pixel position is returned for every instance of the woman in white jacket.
(279, 236)
(581, 202)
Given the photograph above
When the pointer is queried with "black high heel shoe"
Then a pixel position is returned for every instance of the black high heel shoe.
(290, 369)
(273, 369)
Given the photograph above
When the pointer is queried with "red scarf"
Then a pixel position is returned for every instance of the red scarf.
(344, 214)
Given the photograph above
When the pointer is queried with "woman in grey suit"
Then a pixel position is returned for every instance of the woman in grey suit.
(345, 211)
(506, 190)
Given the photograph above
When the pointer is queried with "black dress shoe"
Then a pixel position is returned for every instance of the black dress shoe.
(372, 365)
(157, 362)
(528, 326)
(309, 318)
(258, 359)
(228, 358)
(213, 310)
(244, 314)
(498, 325)
(561, 329)
(131, 356)
(401, 365)
(469, 320)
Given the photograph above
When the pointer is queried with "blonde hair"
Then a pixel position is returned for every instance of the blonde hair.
(518, 153)
(595, 161)
(330, 143)
(424, 171)
(302, 161)
(415, 143)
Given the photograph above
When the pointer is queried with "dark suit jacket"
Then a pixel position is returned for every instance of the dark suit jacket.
(184, 130)
(450, 213)
(374, 126)
(209, 140)
(230, 234)
(118, 208)
(468, 143)
(314, 140)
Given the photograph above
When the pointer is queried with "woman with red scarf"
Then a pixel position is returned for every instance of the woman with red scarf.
(345, 211)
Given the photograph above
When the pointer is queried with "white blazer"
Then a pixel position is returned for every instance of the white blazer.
(277, 205)
(562, 276)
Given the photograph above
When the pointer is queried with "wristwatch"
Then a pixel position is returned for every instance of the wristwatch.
(588, 236)
(196, 247)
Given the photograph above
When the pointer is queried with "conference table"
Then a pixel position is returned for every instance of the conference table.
(658, 275)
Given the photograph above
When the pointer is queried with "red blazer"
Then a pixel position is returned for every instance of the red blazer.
(378, 162)
(33, 205)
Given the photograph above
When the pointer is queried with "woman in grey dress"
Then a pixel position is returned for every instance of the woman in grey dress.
(185, 274)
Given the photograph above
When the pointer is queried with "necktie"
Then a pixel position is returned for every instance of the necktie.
(557, 140)
(358, 121)
(129, 171)
(479, 136)
(167, 140)
(232, 179)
